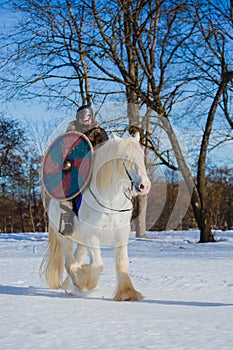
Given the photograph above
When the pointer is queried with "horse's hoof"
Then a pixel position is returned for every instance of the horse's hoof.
(132, 295)
(73, 291)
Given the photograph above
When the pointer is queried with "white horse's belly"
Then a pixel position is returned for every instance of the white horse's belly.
(93, 227)
(102, 227)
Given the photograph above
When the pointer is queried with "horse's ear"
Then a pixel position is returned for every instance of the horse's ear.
(115, 136)
(137, 136)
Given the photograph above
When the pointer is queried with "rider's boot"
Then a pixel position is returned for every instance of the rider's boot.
(66, 226)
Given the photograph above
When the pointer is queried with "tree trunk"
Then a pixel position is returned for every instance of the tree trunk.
(199, 211)
(31, 216)
(140, 203)
(133, 115)
(203, 217)
(21, 218)
(140, 220)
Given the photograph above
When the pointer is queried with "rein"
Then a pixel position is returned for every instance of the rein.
(116, 210)
(104, 206)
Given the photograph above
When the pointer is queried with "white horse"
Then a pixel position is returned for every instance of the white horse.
(118, 174)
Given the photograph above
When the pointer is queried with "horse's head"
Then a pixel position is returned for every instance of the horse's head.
(133, 158)
(121, 161)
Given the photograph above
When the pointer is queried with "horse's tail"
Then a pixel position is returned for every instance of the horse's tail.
(52, 264)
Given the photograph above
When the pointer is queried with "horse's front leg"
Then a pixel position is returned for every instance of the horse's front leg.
(125, 290)
(85, 277)
(79, 255)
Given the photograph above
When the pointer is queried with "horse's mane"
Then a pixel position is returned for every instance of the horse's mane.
(108, 160)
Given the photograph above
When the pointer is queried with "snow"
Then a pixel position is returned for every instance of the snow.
(188, 290)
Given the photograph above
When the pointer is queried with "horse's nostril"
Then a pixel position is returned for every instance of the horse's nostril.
(144, 188)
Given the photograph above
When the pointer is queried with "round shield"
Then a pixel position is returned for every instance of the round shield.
(67, 164)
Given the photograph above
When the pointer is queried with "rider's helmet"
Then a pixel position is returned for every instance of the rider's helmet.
(84, 114)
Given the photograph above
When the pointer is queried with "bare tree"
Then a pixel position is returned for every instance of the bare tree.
(212, 61)
(144, 48)
(151, 54)
(47, 41)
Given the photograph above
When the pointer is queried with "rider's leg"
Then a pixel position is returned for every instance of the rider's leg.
(67, 216)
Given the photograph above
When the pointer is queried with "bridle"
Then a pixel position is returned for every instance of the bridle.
(133, 184)
(112, 209)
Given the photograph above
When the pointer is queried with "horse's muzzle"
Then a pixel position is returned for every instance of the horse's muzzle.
(144, 188)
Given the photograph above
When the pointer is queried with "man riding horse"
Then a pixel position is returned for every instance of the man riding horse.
(86, 124)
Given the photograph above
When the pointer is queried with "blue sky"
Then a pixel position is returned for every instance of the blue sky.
(16, 108)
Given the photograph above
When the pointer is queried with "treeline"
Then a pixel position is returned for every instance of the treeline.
(27, 214)
(21, 215)
(220, 203)
(22, 210)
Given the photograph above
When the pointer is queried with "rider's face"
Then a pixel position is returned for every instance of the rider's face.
(85, 118)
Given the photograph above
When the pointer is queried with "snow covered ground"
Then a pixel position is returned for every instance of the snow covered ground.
(188, 290)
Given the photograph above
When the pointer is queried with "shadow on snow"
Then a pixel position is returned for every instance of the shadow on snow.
(51, 293)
